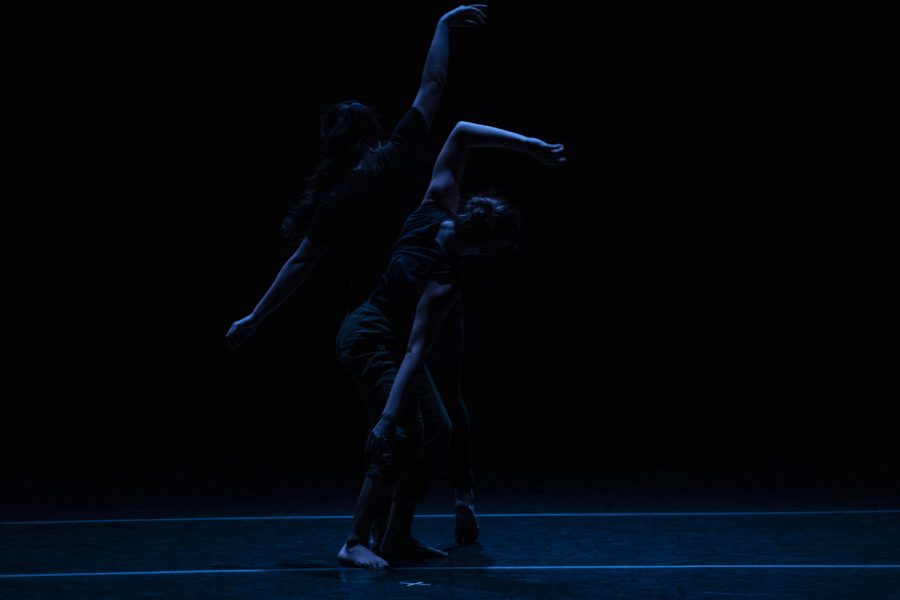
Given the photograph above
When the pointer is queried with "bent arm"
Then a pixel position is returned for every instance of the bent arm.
(436, 301)
(451, 162)
(292, 274)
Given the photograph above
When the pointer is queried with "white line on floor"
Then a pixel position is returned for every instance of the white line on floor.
(454, 568)
(600, 515)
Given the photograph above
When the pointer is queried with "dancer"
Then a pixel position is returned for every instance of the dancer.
(386, 340)
(362, 191)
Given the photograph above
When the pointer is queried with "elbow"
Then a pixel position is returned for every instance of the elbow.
(436, 79)
(415, 354)
(306, 255)
(433, 84)
(462, 130)
(297, 264)
(299, 259)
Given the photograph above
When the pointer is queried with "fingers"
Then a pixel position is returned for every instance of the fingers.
(552, 155)
(236, 336)
(477, 15)
(233, 340)
(468, 16)
(546, 156)
(555, 159)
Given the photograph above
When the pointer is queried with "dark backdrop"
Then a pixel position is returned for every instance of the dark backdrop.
(703, 285)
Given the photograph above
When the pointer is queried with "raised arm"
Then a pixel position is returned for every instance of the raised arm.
(434, 75)
(451, 162)
(436, 301)
(292, 274)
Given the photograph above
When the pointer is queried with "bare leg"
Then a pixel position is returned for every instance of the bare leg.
(376, 535)
(444, 364)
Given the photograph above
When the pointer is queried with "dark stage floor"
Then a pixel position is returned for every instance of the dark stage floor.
(578, 535)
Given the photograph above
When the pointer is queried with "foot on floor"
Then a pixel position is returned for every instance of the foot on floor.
(466, 530)
(360, 556)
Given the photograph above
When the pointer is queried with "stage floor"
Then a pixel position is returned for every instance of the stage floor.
(564, 535)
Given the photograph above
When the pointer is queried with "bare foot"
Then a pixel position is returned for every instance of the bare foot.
(410, 548)
(466, 530)
(360, 556)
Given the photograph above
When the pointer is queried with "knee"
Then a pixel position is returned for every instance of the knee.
(388, 464)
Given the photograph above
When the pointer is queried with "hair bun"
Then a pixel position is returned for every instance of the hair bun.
(488, 219)
(481, 207)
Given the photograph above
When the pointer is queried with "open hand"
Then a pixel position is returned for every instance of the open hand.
(547, 154)
(240, 331)
(471, 15)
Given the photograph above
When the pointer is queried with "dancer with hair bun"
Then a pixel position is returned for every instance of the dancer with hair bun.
(385, 342)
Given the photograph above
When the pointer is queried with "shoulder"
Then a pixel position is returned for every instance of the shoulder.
(428, 213)
(411, 128)
(437, 291)
(434, 208)
(413, 118)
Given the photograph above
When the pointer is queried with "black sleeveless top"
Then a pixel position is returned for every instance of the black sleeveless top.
(360, 216)
(416, 259)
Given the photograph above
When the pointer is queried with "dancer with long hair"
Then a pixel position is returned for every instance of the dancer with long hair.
(385, 342)
(364, 186)
(362, 189)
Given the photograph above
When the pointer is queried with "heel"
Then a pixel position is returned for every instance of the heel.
(466, 530)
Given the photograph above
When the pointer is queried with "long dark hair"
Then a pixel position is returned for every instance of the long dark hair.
(348, 132)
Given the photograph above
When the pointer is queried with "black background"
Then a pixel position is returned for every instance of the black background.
(703, 285)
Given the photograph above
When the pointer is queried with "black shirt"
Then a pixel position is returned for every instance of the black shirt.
(361, 215)
(417, 258)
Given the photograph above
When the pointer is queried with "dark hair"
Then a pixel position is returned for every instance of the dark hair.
(347, 133)
(489, 220)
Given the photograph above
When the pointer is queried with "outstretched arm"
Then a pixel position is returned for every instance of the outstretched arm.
(436, 301)
(434, 75)
(292, 274)
(451, 162)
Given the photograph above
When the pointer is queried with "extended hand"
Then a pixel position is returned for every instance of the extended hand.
(466, 16)
(547, 154)
(240, 331)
